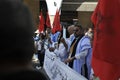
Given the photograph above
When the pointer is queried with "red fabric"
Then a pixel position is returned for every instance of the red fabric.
(105, 70)
(106, 46)
(48, 21)
(41, 24)
(56, 23)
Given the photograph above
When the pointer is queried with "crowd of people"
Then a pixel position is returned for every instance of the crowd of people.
(18, 35)
(75, 50)
(18, 45)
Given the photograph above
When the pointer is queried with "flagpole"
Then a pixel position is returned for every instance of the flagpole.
(64, 32)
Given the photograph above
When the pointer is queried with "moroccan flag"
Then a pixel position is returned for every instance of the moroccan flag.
(41, 24)
(106, 44)
(48, 24)
(56, 23)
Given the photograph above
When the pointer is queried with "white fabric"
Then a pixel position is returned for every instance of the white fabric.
(83, 44)
(57, 70)
(61, 52)
(38, 43)
(82, 54)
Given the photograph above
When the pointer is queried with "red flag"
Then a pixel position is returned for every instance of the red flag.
(41, 24)
(56, 23)
(106, 46)
(48, 24)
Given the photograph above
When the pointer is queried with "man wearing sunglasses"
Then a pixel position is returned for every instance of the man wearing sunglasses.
(79, 51)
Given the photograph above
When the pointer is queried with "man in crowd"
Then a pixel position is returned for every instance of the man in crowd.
(79, 51)
(16, 43)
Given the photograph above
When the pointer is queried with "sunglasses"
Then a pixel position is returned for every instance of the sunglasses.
(76, 30)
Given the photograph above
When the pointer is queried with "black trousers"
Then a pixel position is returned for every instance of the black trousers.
(84, 71)
(41, 57)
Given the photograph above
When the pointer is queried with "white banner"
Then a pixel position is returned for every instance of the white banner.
(53, 5)
(57, 70)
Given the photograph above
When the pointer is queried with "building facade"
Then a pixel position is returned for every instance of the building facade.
(71, 11)
(78, 10)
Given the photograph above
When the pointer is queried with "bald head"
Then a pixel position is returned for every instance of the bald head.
(70, 29)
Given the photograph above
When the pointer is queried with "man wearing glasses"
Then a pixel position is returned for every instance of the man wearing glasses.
(78, 50)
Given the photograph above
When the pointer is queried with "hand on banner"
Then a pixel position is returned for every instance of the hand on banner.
(51, 49)
(69, 60)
